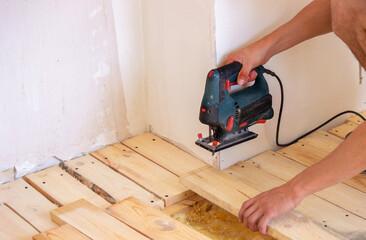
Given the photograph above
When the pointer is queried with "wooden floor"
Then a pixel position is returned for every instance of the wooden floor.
(118, 192)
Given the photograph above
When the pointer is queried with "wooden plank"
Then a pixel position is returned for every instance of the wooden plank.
(356, 119)
(147, 174)
(114, 186)
(64, 232)
(340, 194)
(154, 223)
(322, 140)
(61, 188)
(13, 227)
(229, 193)
(343, 130)
(308, 155)
(164, 154)
(315, 207)
(28, 203)
(93, 222)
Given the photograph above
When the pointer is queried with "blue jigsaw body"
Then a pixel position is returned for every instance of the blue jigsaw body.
(229, 114)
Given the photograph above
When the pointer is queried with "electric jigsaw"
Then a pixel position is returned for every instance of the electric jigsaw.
(228, 113)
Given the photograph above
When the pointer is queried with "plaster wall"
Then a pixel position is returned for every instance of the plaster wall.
(67, 78)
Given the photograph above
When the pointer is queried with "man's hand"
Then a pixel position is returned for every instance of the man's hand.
(258, 211)
(250, 57)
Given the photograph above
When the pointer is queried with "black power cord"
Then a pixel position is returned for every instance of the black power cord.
(310, 132)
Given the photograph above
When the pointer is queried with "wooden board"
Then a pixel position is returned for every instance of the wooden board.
(111, 185)
(340, 194)
(93, 222)
(13, 227)
(154, 223)
(308, 155)
(64, 232)
(319, 210)
(322, 140)
(356, 119)
(147, 174)
(343, 130)
(28, 203)
(164, 154)
(229, 193)
(61, 188)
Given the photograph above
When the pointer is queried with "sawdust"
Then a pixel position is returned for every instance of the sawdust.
(217, 223)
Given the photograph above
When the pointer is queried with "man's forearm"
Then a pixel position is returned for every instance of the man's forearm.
(346, 161)
(313, 20)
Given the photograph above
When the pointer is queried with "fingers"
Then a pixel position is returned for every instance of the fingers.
(246, 75)
(243, 208)
(263, 224)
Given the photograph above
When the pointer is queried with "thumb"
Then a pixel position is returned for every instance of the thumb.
(243, 76)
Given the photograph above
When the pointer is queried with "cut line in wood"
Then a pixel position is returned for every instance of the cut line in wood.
(64, 232)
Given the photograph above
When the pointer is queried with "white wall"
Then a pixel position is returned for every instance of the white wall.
(179, 51)
(320, 76)
(64, 82)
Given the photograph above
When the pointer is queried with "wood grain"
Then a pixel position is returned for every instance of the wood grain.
(61, 188)
(13, 227)
(164, 154)
(154, 223)
(108, 183)
(93, 222)
(28, 203)
(64, 232)
(343, 130)
(229, 193)
(321, 211)
(356, 119)
(308, 155)
(146, 173)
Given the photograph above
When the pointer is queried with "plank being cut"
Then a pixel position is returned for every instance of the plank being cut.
(343, 130)
(147, 174)
(308, 155)
(28, 203)
(13, 227)
(61, 188)
(93, 222)
(164, 154)
(229, 193)
(115, 186)
(154, 223)
(316, 208)
(64, 232)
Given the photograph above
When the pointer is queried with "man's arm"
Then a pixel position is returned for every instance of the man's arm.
(346, 161)
(313, 20)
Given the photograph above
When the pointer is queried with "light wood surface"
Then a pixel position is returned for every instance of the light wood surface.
(340, 194)
(94, 222)
(28, 203)
(154, 223)
(343, 129)
(229, 193)
(315, 208)
(114, 186)
(61, 188)
(146, 173)
(308, 155)
(64, 232)
(322, 140)
(164, 154)
(13, 227)
(356, 119)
